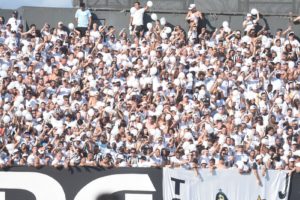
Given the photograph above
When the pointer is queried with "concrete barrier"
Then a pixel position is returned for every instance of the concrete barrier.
(120, 18)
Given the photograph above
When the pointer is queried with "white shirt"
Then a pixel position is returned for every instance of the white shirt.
(58, 162)
(137, 17)
(11, 42)
(30, 159)
(277, 84)
(14, 23)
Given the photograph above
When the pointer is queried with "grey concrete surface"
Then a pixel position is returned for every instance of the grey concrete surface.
(120, 18)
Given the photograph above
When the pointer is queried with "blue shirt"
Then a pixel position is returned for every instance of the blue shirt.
(83, 17)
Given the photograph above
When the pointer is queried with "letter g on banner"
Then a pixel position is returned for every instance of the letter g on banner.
(42, 186)
(115, 183)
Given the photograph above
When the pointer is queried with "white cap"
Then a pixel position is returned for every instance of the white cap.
(120, 156)
(192, 6)
(258, 157)
(292, 160)
(252, 107)
(41, 151)
(108, 125)
(132, 118)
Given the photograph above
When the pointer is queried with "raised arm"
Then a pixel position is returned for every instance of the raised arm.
(297, 19)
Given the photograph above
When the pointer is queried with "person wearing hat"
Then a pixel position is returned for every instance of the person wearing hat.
(83, 17)
(250, 22)
(292, 41)
(14, 21)
(243, 165)
(61, 31)
(203, 164)
(195, 18)
(291, 164)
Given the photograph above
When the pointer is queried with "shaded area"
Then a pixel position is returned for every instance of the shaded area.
(74, 179)
(108, 197)
(295, 187)
(12, 194)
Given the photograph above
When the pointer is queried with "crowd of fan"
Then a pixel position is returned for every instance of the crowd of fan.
(195, 99)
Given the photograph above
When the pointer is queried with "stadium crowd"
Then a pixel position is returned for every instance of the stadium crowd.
(154, 97)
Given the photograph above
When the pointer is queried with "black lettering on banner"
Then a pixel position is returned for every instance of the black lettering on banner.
(74, 183)
(177, 185)
(281, 194)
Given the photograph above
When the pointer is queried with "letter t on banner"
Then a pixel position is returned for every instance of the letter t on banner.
(177, 185)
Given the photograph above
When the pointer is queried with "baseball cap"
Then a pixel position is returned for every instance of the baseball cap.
(25, 155)
(192, 6)
(41, 151)
(258, 157)
(292, 160)
(292, 33)
(252, 107)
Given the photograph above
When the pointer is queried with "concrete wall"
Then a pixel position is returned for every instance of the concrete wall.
(120, 19)
(6, 13)
(220, 6)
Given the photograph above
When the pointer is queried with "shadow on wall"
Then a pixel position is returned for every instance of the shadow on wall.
(108, 197)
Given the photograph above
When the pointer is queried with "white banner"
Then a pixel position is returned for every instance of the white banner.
(180, 184)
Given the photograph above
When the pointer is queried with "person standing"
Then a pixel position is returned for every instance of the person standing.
(14, 21)
(83, 18)
(137, 19)
(195, 18)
